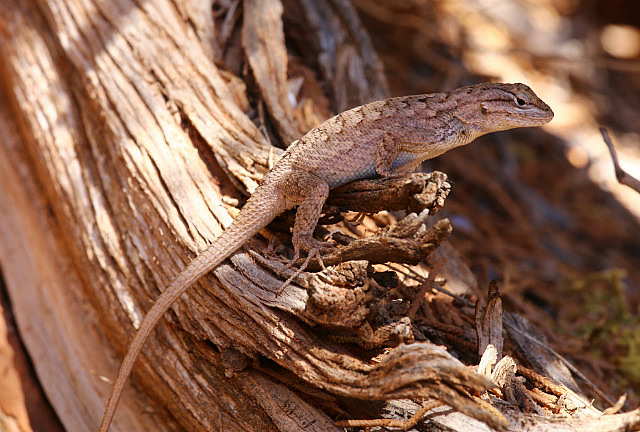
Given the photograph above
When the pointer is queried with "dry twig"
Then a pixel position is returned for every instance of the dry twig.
(623, 177)
(392, 423)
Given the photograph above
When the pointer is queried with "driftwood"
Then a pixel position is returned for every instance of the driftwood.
(124, 144)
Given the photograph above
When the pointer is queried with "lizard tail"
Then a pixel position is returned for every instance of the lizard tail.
(262, 207)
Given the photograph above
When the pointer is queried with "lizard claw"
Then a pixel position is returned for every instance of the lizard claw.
(299, 270)
(313, 248)
(291, 262)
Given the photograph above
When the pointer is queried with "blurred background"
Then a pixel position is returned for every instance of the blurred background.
(540, 210)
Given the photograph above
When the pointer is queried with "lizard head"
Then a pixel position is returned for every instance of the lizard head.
(499, 107)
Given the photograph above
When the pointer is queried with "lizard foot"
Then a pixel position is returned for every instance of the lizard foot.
(313, 248)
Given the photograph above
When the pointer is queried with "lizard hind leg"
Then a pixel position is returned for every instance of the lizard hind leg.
(309, 192)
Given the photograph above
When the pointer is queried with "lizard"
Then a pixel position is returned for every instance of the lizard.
(390, 137)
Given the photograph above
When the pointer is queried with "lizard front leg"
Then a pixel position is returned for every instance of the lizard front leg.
(405, 149)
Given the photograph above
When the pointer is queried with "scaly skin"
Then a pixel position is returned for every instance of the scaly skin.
(385, 138)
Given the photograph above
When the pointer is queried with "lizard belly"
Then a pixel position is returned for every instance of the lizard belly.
(367, 172)
(353, 162)
(404, 158)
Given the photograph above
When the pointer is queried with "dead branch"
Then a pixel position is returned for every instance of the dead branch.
(622, 176)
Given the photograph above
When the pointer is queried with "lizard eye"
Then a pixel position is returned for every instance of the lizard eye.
(520, 102)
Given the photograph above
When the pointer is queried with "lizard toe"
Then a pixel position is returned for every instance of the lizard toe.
(307, 243)
(313, 248)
